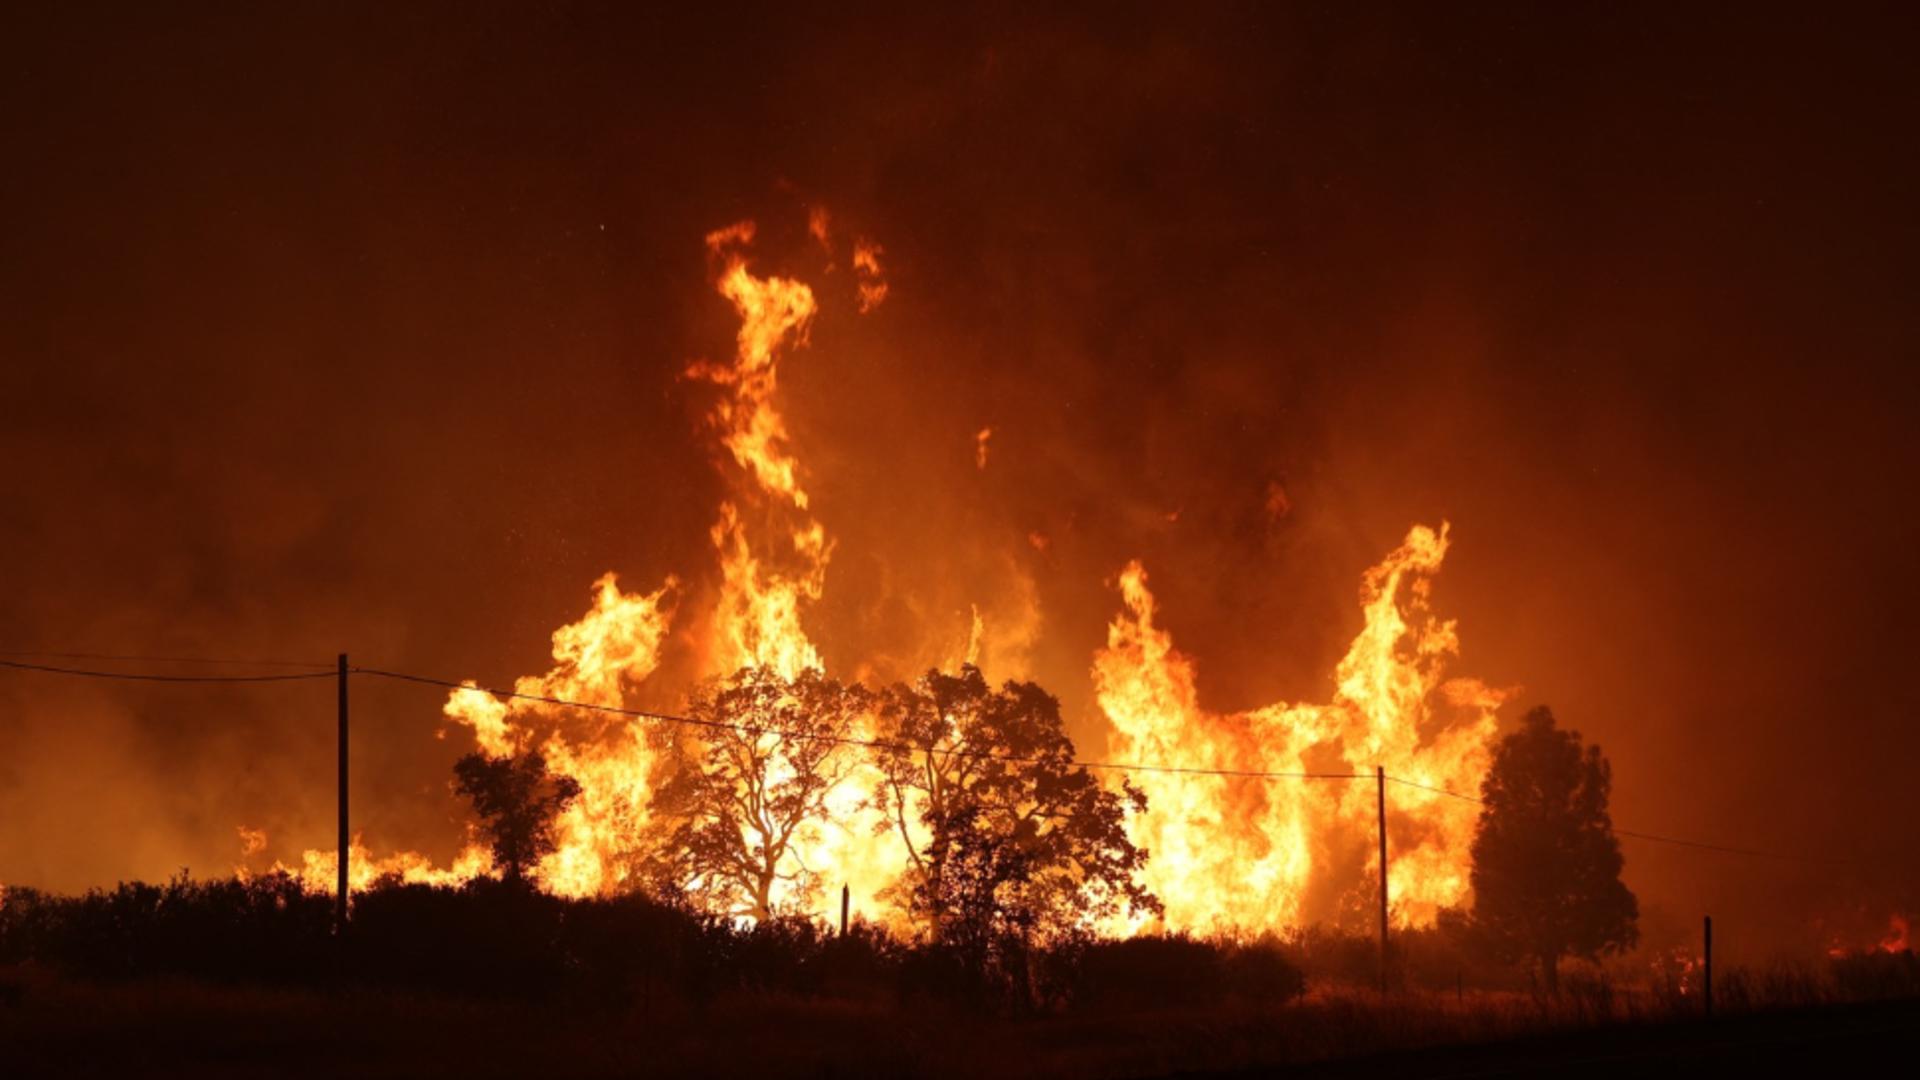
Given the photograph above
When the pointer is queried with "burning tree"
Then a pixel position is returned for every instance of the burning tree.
(1546, 865)
(516, 799)
(751, 788)
(1008, 839)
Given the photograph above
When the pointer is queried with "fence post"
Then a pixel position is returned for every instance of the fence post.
(1380, 778)
(340, 897)
(1707, 964)
(846, 897)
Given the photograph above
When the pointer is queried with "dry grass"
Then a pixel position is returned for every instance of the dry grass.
(232, 979)
(184, 1027)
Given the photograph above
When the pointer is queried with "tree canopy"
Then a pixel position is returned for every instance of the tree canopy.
(1007, 838)
(752, 777)
(516, 800)
(1546, 865)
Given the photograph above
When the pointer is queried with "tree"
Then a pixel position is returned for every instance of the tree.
(1546, 865)
(751, 785)
(516, 799)
(1008, 840)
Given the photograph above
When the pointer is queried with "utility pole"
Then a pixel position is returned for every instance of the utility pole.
(1707, 964)
(1380, 777)
(340, 898)
(846, 898)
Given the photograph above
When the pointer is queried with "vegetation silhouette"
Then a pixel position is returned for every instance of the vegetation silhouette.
(516, 799)
(1016, 858)
(749, 784)
(1010, 844)
(1546, 864)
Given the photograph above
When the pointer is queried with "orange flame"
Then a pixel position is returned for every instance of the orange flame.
(318, 869)
(1243, 853)
(1226, 853)
(872, 279)
(757, 617)
(1896, 939)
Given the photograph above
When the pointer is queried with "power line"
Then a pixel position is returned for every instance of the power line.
(842, 740)
(145, 676)
(32, 654)
(1436, 790)
(1651, 837)
(1816, 859)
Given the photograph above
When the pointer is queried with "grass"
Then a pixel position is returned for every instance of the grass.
(241, 979)
(179, 1026)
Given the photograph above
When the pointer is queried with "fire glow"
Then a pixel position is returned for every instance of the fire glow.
(1227, 854)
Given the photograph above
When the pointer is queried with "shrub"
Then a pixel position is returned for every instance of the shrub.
(1175, 970)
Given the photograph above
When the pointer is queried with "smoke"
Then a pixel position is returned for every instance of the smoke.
(377, 348)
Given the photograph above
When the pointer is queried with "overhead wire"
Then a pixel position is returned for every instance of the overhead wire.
(843, 740)
(1638, 835)
(328, 671)
(33, 654)
(148, 676)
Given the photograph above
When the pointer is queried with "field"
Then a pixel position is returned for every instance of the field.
(195, 1028)
(239, 978)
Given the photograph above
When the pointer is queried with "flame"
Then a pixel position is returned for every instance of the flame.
(980, 439)
(1896, 939)
(757, 617)
(820, 227)
(1233, 854)
(252, 841)
(599, 839)
(765, 589)
(1243, 853)
(771, 310)
(1678, 967)
(872, 279)
(611, 648)
(318, 871)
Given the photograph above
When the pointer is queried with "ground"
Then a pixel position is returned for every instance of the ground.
(177, 1028)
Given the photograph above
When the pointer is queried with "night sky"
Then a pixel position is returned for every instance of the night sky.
(325, 331)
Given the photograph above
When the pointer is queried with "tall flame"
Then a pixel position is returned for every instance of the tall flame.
(764, 589)
(1227, 853)
(1235, 853)
(612, 648)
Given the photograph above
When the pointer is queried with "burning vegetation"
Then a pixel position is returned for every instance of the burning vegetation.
(783, 785)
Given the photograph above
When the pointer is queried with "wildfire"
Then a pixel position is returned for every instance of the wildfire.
(319, 870)
(1896, 939)
(1232, 854)
(769, 573)
(1246, 853)
(872, 279)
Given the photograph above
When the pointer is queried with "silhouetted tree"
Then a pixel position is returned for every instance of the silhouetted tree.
(1008, 840)
(752, 784)
(516, 799)
(1546, 865)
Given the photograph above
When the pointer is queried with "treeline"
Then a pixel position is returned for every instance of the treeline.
(494, 939)
(1010, 848)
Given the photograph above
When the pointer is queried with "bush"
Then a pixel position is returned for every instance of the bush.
(1877, 975)
(262, 929)
(1175, 970)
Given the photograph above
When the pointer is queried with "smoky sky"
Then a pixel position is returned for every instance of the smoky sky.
(363, 330)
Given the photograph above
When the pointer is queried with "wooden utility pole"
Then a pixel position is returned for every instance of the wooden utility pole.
(846, 898)
(1706, 982)
(340, 897)
(1380, 777)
